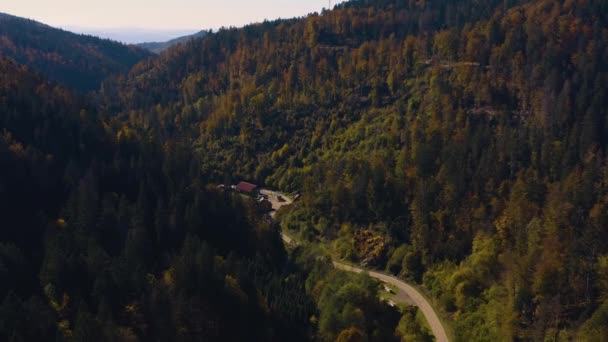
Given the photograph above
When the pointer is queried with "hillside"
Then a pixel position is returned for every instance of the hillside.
(76, 61)
(108, 238)
(461, 145)
(158, 47)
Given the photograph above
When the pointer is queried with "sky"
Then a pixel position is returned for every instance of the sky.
(156, 17)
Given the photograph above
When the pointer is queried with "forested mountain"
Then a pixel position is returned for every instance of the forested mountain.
(158, 47)
(105, 237)
(77, 61)
(459, 144)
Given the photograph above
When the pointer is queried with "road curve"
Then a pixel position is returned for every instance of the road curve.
(418, 299)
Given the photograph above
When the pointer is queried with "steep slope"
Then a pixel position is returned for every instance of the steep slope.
(461, 144)
(158, 47)
(43, 127)
(77, 61)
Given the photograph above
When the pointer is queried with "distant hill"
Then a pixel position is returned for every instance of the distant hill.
(77, 61)
(130, 35)
(158, 47)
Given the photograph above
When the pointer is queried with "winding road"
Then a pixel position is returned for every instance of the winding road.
(416, 297)
(405, 290)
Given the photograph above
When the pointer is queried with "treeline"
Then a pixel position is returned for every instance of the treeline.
(459, 144)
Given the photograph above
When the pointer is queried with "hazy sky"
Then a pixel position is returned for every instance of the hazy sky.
(158, 14)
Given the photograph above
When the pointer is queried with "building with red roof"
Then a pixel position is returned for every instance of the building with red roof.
(246, 188)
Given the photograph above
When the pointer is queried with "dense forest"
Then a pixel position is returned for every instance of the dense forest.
(460, 145)
(109, 237)
(118, 239)
(457, 144)
(80, 62)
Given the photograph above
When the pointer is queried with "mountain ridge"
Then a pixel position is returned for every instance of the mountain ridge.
(78, 61)
(158, 47)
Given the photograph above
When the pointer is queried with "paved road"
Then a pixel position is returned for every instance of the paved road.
(404, 288)
(419, 300)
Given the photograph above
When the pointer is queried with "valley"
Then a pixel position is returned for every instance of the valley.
(454, 151)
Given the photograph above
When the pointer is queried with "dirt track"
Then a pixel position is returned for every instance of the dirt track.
(277, 199)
